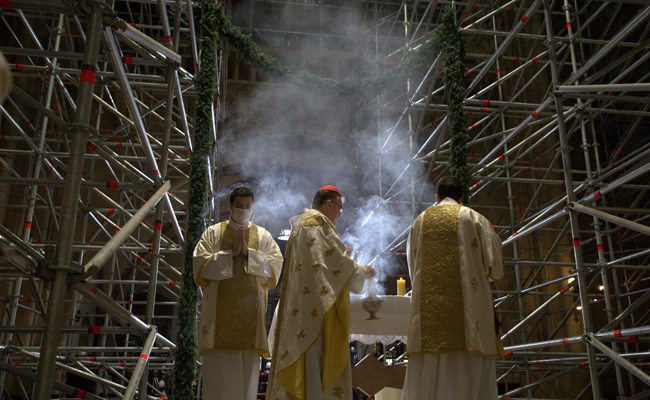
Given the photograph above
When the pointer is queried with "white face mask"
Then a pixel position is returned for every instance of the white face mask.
(241, 215)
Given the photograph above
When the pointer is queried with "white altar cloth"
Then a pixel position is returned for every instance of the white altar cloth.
(391, 326)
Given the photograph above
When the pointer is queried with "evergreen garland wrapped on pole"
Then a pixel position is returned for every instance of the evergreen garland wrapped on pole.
(186, 354)
(451, 44)
(352, 86)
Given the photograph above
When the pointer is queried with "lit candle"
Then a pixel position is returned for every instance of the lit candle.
(401, 287)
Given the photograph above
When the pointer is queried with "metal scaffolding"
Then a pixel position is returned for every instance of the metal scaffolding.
(96, 134)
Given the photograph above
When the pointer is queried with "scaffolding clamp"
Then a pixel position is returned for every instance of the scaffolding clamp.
(73, 268)
(74, 128)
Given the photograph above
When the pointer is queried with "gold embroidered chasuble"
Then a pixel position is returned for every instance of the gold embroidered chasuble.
(233, 310)
(314, 302)
(453, 253)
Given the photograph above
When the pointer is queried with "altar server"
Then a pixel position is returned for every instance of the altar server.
(235, 263)
(453, 254)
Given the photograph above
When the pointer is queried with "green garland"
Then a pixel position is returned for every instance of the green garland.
(186, 353)
(452, 46)
(358, 85)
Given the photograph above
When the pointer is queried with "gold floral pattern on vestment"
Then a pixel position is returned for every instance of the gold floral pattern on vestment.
(441, 304)
(314, 220)
(237, 299)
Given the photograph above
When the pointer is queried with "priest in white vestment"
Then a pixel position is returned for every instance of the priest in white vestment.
(235, 263)
(310, 332)
(453, 254)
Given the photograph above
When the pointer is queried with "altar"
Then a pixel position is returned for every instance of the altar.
(391, 323)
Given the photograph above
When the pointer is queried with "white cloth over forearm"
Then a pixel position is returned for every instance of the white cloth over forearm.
(219, 267)
(258, 264)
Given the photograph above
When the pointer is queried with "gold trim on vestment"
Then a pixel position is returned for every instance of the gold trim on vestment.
(238, 304)
(298, 365)
(314, 305)
(441, 304)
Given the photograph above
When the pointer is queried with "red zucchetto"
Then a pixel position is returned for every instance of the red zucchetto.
(331, 189)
